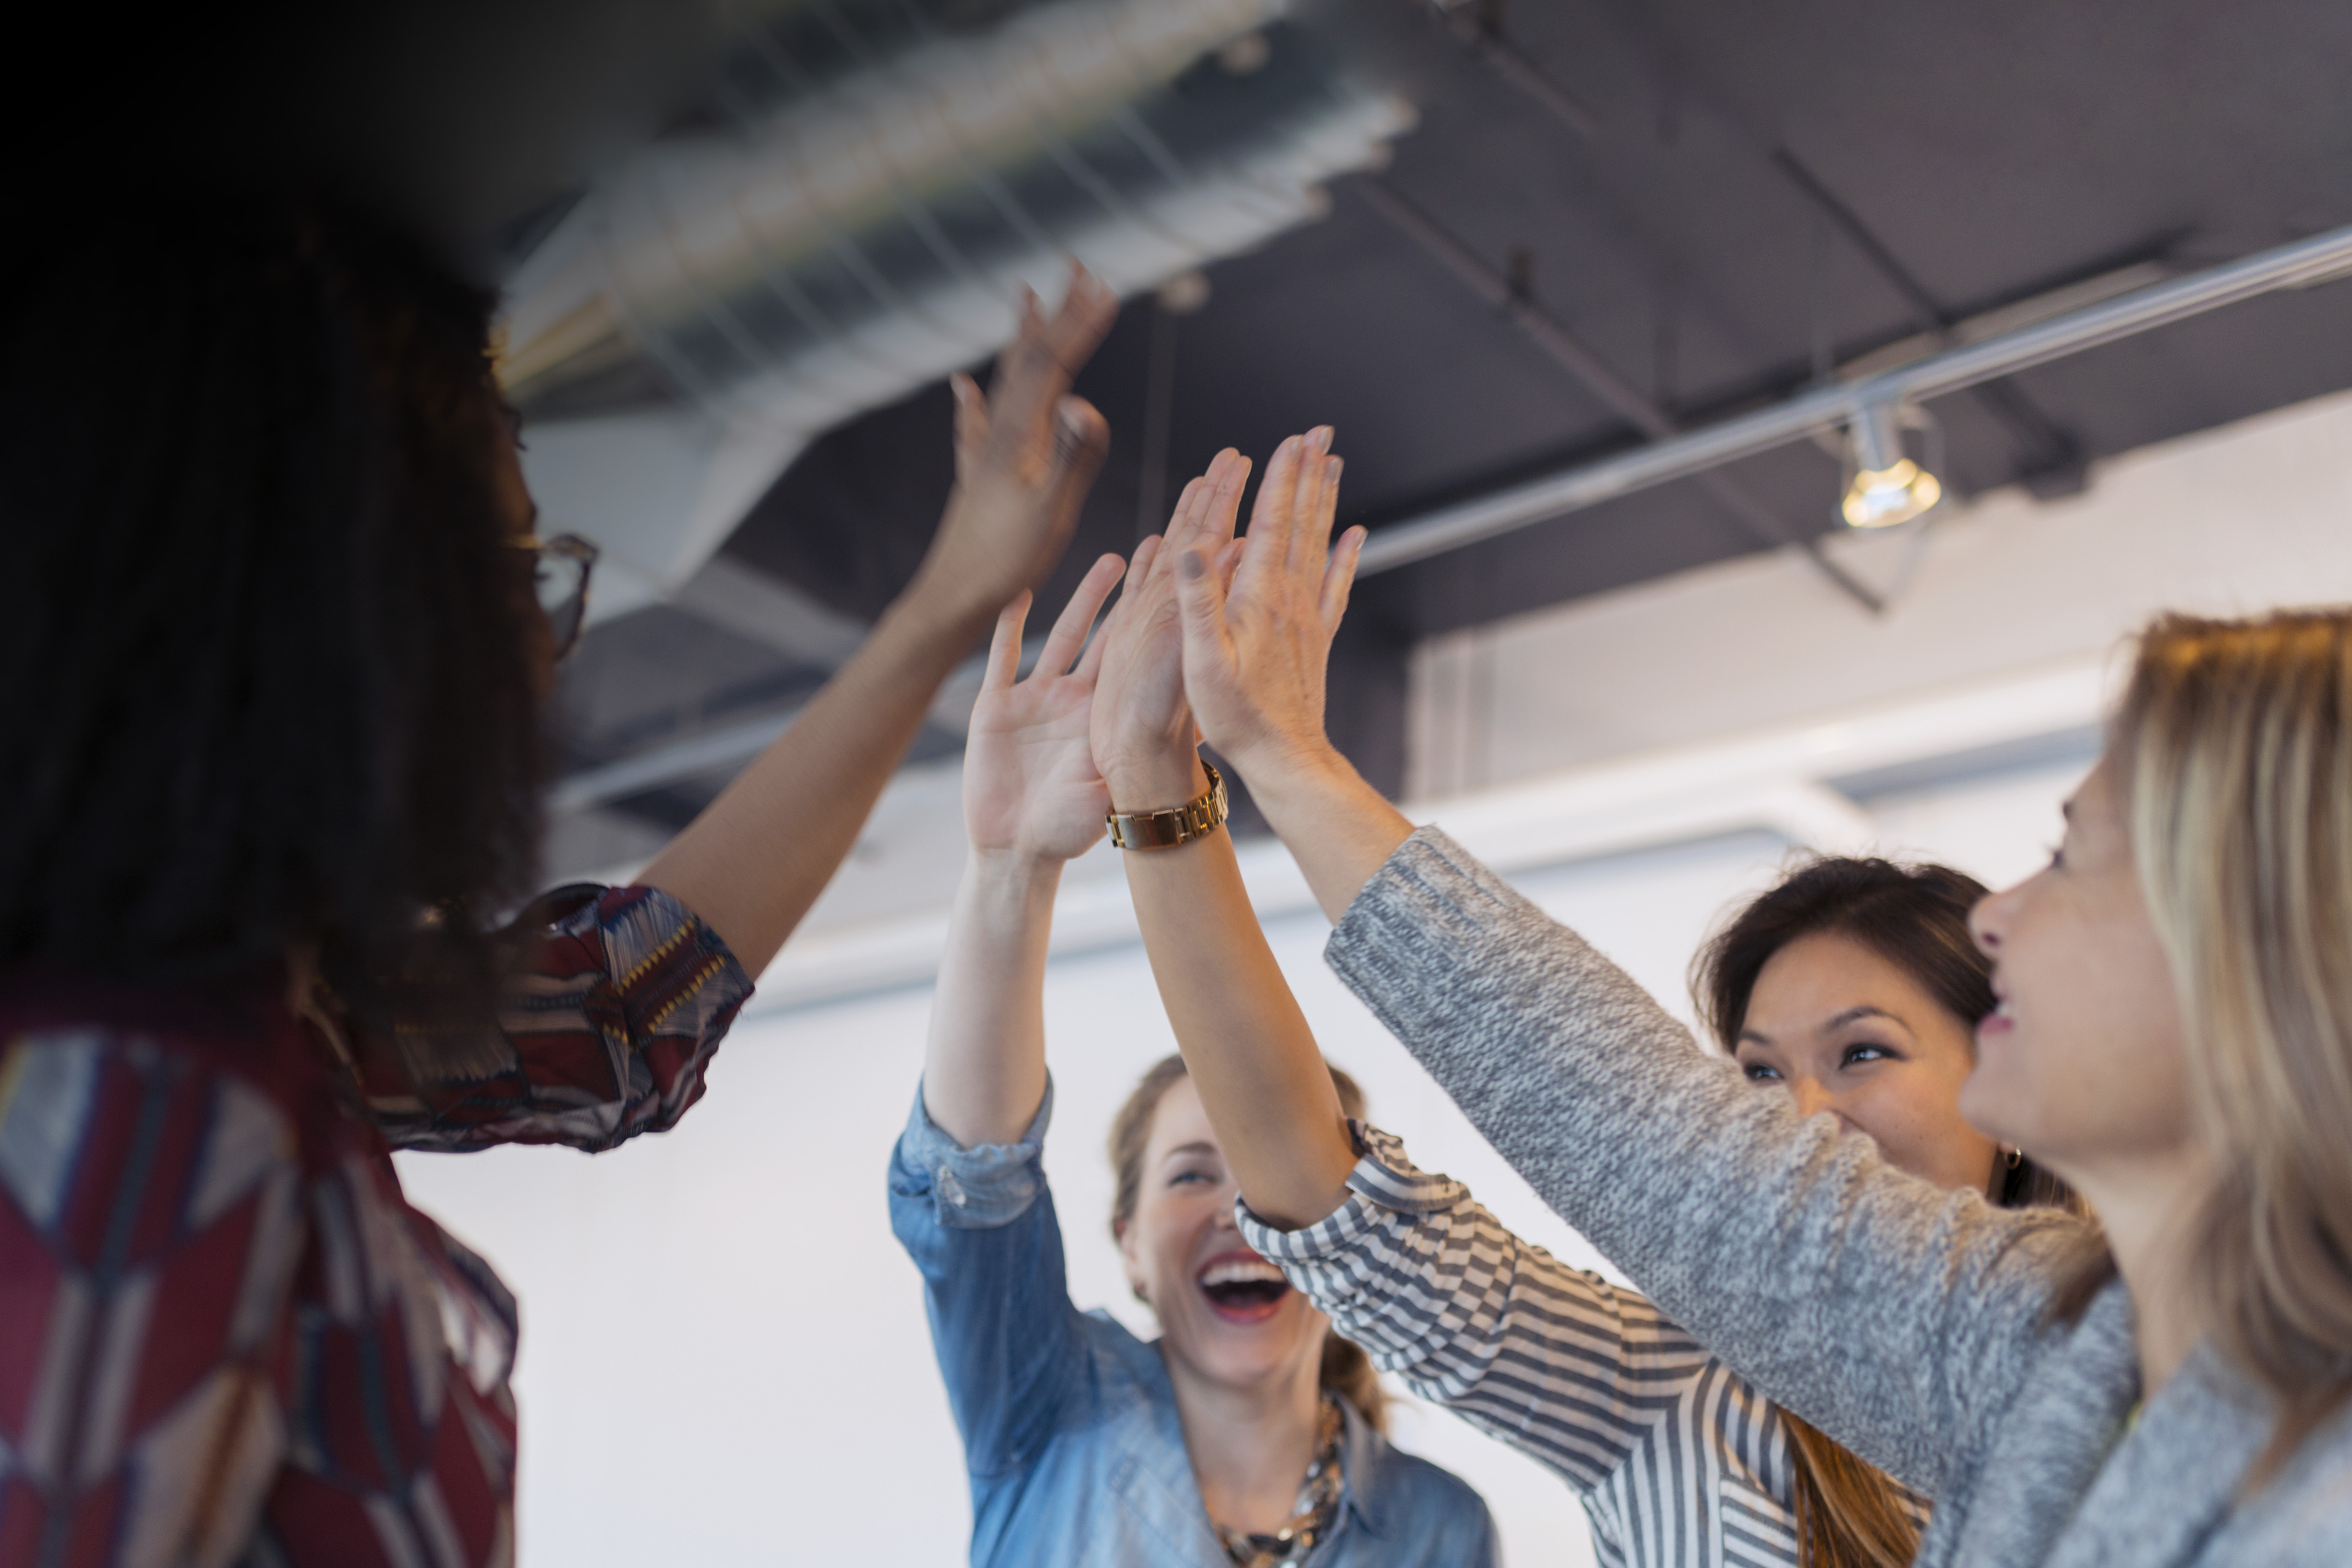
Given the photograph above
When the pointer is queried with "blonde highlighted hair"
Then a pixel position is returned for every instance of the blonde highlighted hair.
(2233, 751)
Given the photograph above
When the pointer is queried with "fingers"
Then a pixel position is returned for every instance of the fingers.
(1004, 646)
(1318, 503)
(1081, 442)
(1204, 513)
(1069, 632)
(971, 414)
(1139, 570)
(1201, 602)
(1339, 576)
(1084, 319)
(1229, 561)
(1036, 367)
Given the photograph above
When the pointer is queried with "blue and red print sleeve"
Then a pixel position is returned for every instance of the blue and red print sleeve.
(148, 1232)
(608, 1024)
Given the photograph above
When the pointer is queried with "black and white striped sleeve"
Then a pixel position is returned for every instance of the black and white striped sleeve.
(1555, 1361)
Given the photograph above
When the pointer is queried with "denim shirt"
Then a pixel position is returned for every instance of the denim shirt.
(1070, 1422)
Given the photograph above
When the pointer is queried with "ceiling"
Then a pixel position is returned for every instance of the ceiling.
(1720, 202)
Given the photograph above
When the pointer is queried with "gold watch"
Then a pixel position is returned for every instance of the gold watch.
(1178, 825)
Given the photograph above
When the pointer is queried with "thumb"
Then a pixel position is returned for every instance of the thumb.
(1081, 441)
(1200, 600)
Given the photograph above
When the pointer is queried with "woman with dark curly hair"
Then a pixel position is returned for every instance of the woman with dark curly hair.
(276, 634)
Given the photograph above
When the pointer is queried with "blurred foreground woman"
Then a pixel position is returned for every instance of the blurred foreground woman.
(1245, 1436)
(2173, 1038)
(276, 631)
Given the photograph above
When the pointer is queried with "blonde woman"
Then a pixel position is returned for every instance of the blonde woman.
(2174, 1037)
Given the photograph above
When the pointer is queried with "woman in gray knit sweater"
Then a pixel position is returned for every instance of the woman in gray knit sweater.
(2174, 1037)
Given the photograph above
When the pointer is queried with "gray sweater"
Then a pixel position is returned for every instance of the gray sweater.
(1910, 1323)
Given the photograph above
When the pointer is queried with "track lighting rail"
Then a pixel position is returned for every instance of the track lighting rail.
(2304, 261)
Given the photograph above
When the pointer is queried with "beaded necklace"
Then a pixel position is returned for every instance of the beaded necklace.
(1316, 1510)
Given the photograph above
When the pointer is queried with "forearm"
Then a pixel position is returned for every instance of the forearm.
(1338, 829)
(756, 858)
(984, 1068)
(1250, 1051)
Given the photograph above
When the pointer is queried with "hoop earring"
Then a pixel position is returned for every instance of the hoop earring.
(2016, 1156)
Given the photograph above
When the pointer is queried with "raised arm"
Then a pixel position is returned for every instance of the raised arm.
(968, 1196)
(758, 856)
(1247, 1045)
(1885, 1310)
(1032, 802)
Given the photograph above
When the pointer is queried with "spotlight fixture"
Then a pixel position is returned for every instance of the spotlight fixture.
(1887, 488)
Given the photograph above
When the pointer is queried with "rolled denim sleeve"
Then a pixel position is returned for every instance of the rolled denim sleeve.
(979, 1188)
(979, 1226)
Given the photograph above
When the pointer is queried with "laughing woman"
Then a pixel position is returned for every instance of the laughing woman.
(1245, 1434)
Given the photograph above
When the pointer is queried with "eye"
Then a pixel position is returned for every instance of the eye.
(1864, 1051)
(1181, 1178)
(1760, 1072)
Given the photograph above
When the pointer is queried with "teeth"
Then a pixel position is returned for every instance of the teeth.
(1236, 1271)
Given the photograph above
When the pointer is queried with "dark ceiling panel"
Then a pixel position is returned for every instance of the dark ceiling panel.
(1981, 154)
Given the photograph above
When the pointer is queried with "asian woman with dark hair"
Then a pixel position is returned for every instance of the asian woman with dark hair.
(276, 634)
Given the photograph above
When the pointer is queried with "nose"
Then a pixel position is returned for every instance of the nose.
(1986, 918)
(1811, 1096)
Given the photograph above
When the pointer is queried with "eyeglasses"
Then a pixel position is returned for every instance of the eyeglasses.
(559, 571)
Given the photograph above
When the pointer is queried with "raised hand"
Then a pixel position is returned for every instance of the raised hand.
(1144, 739)
(1257, 647)
(1030, 787)
(1025, 455)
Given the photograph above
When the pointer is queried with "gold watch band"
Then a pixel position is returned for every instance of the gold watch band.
(1177, 825)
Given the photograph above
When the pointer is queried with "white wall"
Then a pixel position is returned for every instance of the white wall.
(724, 1359)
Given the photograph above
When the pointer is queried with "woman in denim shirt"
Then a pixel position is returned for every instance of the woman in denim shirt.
(1224, 1441)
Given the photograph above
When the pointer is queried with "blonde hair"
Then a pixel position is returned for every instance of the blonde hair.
(2233, 752)
(1346, 1370)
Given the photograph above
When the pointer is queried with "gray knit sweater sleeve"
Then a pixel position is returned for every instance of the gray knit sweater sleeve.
(1896, 1317)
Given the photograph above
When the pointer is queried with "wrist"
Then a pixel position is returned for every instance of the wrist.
(1014, 867)
(1159, 783)
(1282, 767)
(937, 608)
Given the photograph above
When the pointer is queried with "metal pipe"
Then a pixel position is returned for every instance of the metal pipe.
(1597, 377)
(1827, 407)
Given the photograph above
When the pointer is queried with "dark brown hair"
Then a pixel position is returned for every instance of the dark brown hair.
(1346, 1370)
(1849, 1514)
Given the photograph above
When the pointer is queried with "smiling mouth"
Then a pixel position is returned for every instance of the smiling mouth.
(1242, 1287)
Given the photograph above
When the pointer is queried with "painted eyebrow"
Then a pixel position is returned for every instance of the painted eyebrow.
(1852, 1015)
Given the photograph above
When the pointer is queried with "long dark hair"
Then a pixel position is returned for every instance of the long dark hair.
(268, 677)
(1915, 918)
(1344, 1369)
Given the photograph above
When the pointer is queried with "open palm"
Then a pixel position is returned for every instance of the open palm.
(1029, 780)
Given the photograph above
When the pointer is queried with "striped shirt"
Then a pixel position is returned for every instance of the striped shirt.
(1677, 1459)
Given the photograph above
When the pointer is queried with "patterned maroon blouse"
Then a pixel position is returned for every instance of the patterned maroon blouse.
(225, 1336)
